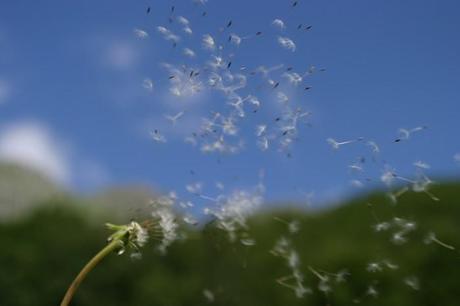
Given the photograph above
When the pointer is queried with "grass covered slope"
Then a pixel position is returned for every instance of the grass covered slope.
(42, 254)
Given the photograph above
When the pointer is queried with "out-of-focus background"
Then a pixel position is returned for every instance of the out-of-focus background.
(43, 250)
(369, 217)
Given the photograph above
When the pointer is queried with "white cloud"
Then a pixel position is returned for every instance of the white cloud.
(31, 144)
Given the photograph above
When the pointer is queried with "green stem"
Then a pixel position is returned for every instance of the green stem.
(89, 266)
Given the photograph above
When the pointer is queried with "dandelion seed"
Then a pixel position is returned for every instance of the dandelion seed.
(374, 147)
(287, 43)
(395, 195)
(136, 256)
(356, 167)
(398, 238)
(168, 35)
(263, 143)
(228, 126)
(147, 84)
(235, 39)
(189, 52)
(336, 144)
(422, 184)
(233, 210)
(208, 42)
(190, 220)
(374, 267)
(186, 205)
(431, 237)
(182, 20)
(412, 282)
(261, 129)
(157, 136)
(281, 247)
(293, 78)
(404, 134)
(279, 24)
(294, 226)
(208, 295)
(282, 97)
(300, 291)
(188, 30)
(174, 118)
(248, 242)
(166, 225)
(266, 71)
(293, 259)
(340, 277)
(390, 265)
(141, 33)
(372, 291)
(195, 188)
(388, 176)
(324, 286)
(381, 227)
(421, 165)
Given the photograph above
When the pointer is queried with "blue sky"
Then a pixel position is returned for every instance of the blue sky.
(71, 77)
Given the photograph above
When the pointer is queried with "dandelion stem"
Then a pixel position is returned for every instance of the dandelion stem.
(109, 248)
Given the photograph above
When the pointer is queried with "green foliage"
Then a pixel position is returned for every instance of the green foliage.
(42, 254)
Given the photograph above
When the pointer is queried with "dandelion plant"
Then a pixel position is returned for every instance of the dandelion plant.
(130, 236)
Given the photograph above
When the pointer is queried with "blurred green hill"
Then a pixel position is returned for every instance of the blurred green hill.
(42, 252)
(21, 189)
